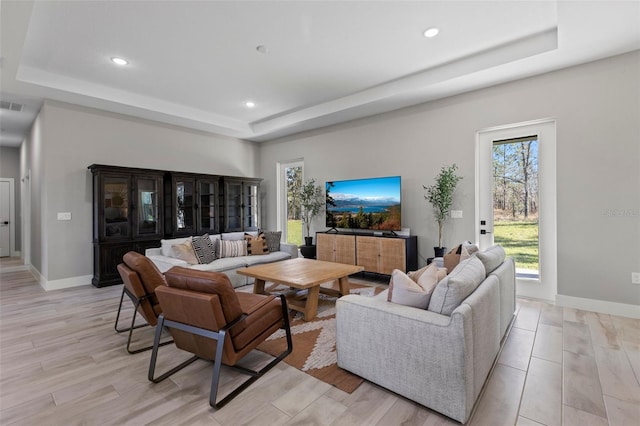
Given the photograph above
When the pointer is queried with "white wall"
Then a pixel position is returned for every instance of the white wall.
(76, 137)
(597, 108)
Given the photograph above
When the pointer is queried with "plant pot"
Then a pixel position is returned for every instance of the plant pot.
(308, 251)
(439, 251)
(308, 241)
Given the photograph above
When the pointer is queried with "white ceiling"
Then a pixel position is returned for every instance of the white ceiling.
(195, 63)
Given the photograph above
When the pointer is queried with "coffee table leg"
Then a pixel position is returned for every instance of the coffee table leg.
(258, 286)
(344, 286)
(311, 306)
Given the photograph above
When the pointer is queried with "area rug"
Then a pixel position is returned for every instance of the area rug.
(314, 343)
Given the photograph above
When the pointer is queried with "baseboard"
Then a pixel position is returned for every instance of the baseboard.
(602, 306)
(60, 284)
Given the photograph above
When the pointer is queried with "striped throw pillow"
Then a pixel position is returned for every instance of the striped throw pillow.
(232, 248)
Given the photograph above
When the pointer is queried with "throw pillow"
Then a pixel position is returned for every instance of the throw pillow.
(458, 254)
(204, 249)
(492, 257)
(405, 291)
(273, 240)
(232, 248)
(256, 245)
(456, 286)
(185, 252)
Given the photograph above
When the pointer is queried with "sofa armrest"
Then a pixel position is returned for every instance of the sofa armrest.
(155, 251)
(164, 263)
(419, 354)
(292, 249)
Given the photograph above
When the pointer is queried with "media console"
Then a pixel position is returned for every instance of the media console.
(380, 254)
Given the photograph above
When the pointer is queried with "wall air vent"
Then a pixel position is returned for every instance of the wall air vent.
(11, 106)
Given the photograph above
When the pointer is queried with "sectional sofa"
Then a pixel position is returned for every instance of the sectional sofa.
(438, 360)
(164, 257)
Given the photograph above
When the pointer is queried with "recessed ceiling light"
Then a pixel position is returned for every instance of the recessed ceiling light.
(249, 104)
(261, 48)
(119, 61)
(431, 32)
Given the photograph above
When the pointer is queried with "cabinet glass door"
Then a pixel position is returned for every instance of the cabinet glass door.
(147, 199)
(184, 206)
(116, 207)
(208, 208)
(233, 198)
(251, 213)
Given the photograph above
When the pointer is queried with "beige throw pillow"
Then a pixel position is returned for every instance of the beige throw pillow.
(256, 245)
(185, 252)
(405, 291)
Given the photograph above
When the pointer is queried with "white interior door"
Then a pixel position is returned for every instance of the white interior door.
(544, 285)
(5, 218)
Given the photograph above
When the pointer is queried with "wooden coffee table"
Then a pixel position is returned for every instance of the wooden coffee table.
(302, 274)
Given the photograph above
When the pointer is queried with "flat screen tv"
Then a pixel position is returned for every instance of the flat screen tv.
(372, 204)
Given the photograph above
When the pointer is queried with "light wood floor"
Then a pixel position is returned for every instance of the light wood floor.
(62, 364)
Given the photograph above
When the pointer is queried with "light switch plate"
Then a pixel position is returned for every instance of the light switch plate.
(635, 278)
(64, 215)
(456, 214)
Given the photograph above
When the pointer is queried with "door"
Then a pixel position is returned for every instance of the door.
(290, 178)
(508, 201)
(5, 218)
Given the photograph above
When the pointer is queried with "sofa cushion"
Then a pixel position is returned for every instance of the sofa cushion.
(273, 240)
(492, 257)
(232, 248)
(256, 245)
(456, 286)
(221, 265)
(204, 249)
(235, 236)
(185, 252)
(267, 258)
(405, 291)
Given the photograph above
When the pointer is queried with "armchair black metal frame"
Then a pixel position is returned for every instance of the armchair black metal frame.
(219, 337)
(136, 304)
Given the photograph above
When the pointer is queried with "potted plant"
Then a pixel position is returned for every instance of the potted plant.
(440, 195)
(311, 199)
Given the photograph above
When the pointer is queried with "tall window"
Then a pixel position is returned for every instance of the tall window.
(289, 218)
(515, 201)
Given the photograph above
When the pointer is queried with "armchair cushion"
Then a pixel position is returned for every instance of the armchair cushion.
(145, 268)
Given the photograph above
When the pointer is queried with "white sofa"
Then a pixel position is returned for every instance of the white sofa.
(437, 360)
(163, 258)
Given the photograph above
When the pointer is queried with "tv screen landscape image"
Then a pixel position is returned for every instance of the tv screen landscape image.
(372, 204)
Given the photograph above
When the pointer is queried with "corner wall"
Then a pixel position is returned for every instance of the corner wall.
(596, 107)
(76, 137)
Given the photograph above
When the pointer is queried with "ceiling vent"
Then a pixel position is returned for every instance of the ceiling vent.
(11, 106)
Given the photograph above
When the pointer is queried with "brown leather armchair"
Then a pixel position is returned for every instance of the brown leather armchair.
(208, 318)
(141, 278)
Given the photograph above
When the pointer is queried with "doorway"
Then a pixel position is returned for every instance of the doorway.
(516, 201)
(290, 177)
(7, 219)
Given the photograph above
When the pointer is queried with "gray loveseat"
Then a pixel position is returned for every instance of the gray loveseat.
(437, 360)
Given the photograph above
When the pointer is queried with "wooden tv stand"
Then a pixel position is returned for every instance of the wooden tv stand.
(380, 254)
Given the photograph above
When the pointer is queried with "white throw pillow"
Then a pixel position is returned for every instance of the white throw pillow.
(405, 291)
(459, 284)
(165, 245)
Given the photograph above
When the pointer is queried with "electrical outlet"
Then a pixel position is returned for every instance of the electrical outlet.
(64, 216)
(456, 214)
(635, 278)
